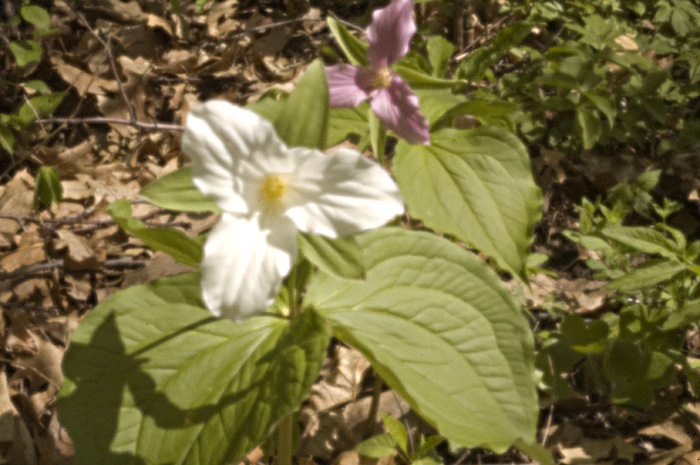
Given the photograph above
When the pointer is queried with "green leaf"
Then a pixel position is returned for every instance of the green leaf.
(605, 102)
(397, 431)
(175, 243)
(355, 50)
(39, 86)
(40, 107)
(381, 445)
(439, 52)
(47, 187)
(642, 239)
(341, 257)
(649, 273)
(476, 185)
(426, 446)
(344, 121)
(418, 80)
(7, 139)
(36, 15)
(26, 51)
(303, 121)
(590, 127)
(152, 378)
(441, 329)
(687, 314)
(176, 191)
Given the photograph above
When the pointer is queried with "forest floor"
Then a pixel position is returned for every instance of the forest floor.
(126, 65)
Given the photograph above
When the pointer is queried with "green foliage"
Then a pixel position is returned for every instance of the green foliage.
(27, 54)
(476, 185)
(629, 354)
(152, 377)
(47, 188)
(176, 191)
(177, 244)
(396, 440)
(439, 327)
(597, 74)
(303, 120)
(341, 257)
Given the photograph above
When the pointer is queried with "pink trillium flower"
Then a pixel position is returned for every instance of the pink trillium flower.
(390, 97)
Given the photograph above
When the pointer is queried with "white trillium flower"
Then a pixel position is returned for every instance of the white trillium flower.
(267, 193)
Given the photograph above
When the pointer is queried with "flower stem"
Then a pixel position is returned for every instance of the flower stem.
(377, 136)
(285, 440)
(374, 406)
(292, 293)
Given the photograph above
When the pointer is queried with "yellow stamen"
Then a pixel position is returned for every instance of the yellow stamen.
(273, 189)
(382, 78)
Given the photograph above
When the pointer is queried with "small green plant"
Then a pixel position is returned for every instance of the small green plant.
(395, 440)
(605, 73)
(631, 352)
(38, 99)
(47, 188)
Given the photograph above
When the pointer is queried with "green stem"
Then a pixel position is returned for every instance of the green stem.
(285, 433)
(374, 406)
(377, 136)
(292, 293)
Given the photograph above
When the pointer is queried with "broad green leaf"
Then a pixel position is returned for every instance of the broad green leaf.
(47, 187)
(341, 257)
(590, 127)
(397, 431)
(441, 329)
(270, 105)
(303, 121)
(344, 121)
(26, 51)
(40, 106)
(153, 378)
(175, 243)
(643, 239)
(651, 272)
(176, 191)
(355, 50)
(381, 445)
(439, 52)
(476, 185)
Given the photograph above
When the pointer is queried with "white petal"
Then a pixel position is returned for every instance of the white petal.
(223, 140)
(244, 263)
(340, 194)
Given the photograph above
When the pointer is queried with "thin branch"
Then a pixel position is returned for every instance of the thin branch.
(43, 267)
(112, 62)
(265, 27)
(157, 126)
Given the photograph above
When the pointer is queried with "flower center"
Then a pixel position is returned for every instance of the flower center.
(273, 189)
(382, 78)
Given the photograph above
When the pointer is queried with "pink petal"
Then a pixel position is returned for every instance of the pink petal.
(397, 107)
(390, 33)
(348, 86)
